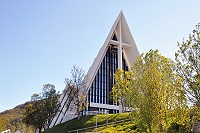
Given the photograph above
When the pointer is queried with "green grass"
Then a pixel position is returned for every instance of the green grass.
(86, 121)
(122, 127)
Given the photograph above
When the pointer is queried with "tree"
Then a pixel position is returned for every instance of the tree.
(50, 101)
(188, 64)
(120, 90)
(76, 86)
(42, 108)
(156, 91)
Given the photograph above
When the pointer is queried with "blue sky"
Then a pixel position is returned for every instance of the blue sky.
(40, 41)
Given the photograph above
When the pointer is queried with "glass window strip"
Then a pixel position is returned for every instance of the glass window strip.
(104, 79)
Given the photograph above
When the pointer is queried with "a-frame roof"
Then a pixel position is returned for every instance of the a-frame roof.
(121, 29)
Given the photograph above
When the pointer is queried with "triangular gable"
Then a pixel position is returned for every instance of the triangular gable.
(122, 32)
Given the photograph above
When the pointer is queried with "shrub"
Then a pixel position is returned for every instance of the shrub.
(177, 128)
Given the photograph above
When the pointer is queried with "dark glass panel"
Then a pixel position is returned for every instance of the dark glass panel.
(104, 79)
(114, 37)
(92, 90)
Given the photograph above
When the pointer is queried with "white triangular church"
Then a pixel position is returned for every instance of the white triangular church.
(118, 51)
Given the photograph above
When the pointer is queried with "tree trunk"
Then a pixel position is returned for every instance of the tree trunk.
(121, 100)
(78, 112)
(150, 130)
(40, 130)
(78, 115)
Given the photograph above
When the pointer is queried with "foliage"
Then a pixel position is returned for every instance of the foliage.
(108, 130)
(120, 90)
(2, 125)
(42, 108)
(123, 127)
(13, 119)
(76, 87)
(156, 92)
(176, 128)
(188, 64)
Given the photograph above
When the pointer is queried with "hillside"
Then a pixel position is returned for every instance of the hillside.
(13, 118)
(117, 123)
(90, 121)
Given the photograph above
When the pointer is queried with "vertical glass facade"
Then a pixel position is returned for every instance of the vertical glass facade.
(103, 82)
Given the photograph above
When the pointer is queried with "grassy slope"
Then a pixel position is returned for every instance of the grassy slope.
(86, 121)
(122, 127)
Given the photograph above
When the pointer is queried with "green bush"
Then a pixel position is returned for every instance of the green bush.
(109, 130)
(176, 128)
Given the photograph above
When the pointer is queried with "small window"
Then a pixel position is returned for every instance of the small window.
(114, 37)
